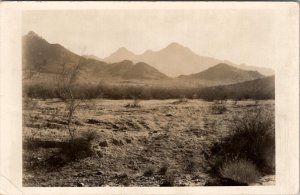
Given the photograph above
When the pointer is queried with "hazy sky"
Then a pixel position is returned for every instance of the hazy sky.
(240, 36)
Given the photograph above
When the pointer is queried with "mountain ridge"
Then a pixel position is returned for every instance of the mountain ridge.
(38, 54)
(175, 60)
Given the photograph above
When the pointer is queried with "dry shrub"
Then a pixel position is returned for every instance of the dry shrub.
(242, 171)
(149, 171)
(252, 137)
(163, 169)
(90, 135)
(30, 103)
(134, 104)
(76, 148)
(218, 107)
(169, 179)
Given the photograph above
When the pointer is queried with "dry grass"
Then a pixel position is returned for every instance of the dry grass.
(242, 171)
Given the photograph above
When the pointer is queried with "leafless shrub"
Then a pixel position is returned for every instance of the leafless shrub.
(66, 81)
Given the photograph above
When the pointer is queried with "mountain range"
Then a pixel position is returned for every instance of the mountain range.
(175, 60)
(47, 58)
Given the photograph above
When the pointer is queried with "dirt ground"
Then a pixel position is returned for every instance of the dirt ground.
(134, 144)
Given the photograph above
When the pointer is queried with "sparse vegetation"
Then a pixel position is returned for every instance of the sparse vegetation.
(172, 131)
(84, 91)
(148, 128)
(66, 80)
(251, 137)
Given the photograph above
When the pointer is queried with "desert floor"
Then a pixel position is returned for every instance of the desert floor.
(133, 143)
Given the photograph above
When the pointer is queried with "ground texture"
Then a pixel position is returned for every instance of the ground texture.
(135, 145)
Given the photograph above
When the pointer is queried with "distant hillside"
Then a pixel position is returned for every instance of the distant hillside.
(175, 60)
(263, 88)
(46, 58)
(262, 70)
(224, 73)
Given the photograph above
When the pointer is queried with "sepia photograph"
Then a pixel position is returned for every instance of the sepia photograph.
(161, 96)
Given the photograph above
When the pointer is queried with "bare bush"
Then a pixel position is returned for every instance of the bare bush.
(66, 82)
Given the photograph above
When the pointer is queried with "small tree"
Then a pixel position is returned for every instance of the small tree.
(66, 82)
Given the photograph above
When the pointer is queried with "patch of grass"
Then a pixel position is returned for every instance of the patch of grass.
(242, 171)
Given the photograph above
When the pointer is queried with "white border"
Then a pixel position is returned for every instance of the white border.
(287, 100)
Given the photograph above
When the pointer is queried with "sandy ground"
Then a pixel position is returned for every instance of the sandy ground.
(144, 139)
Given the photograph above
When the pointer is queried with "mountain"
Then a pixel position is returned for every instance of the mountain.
(47, 58)
(263, 88)
(262, 70)
(39, 54)
(175, 60)
(120, 55)
(128, 70)
(224, 73)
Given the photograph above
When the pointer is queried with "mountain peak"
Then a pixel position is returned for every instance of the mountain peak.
(32, 34)
(222, 66)
(123, 50)
(175, 45)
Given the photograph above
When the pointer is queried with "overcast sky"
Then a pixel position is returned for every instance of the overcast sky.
(240, 36)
